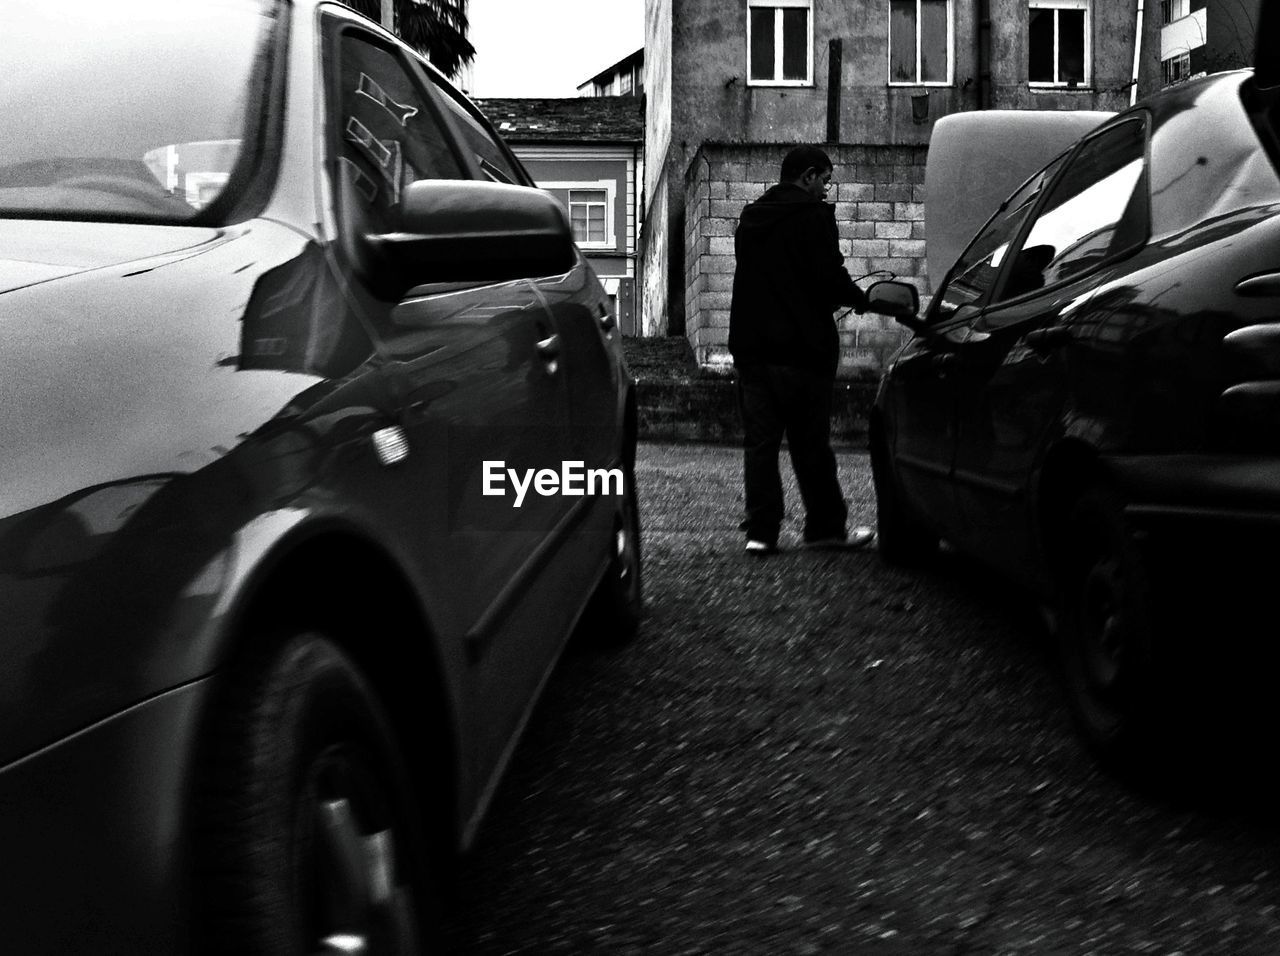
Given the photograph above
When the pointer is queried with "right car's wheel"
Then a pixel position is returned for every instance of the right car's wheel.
(306, 838)
(903, 540)
(1106, 634)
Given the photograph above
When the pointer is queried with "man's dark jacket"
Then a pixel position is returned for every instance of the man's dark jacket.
(790, 278)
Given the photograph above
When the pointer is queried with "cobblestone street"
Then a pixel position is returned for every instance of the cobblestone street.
(816, 753)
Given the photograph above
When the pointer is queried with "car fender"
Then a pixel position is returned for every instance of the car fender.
(261, 552)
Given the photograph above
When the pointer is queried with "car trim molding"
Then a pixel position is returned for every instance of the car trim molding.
(1004, 489)
(1152, 514)
(924, 465)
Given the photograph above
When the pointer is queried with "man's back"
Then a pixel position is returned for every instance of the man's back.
(788, 279)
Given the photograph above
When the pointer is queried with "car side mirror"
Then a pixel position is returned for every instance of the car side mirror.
(469, 231)
(899, 300)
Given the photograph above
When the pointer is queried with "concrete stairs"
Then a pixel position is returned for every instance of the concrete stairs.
(677, 401)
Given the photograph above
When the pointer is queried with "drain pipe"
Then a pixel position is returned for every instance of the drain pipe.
(1137, 56)
(984, 54)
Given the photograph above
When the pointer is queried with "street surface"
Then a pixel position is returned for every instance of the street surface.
(815, 753)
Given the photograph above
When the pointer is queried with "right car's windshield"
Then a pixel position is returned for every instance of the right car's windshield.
(124, 110)
(976, 270)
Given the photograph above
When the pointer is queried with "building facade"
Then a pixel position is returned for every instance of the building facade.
(1205, 36)
(732, 84)
(624, 78)
(587, 152)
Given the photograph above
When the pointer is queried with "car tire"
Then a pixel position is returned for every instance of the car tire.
(1106, 634)
(902, 539)
(307, 840)
(612, 617)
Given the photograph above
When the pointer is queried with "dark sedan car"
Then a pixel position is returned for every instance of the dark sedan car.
(316, 444)
(1091, 404)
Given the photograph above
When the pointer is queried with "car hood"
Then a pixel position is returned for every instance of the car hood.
(139, 432)
(33, 251)
(126, 365)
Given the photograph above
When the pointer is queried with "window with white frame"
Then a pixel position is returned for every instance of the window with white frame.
(1058, 43)
(590, 206)
(780, 42)
(1176, 68)
(589, 214)
(1171, 10)
(920, 40)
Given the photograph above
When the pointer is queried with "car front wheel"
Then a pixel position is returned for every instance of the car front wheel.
(306, 840)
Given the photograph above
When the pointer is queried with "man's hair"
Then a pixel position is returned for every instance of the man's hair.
(801, 158)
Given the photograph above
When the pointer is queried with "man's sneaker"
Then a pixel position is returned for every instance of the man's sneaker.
(760, 548)
(860, 537)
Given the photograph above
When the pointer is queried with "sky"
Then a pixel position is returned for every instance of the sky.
(548, 47)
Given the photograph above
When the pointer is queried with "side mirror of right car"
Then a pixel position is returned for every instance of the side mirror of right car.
(899, 300)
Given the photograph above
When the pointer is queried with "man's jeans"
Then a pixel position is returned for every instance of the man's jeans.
(777, 400)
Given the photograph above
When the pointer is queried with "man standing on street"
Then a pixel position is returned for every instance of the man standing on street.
(789, 279)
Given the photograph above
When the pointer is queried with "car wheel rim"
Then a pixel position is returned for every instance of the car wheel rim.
(357, 902)
(1104, 629)
(625, 550)
(622, 548)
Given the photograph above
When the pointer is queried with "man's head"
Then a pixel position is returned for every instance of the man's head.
(809, 168)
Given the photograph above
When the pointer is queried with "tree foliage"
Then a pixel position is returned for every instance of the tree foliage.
(435, 28)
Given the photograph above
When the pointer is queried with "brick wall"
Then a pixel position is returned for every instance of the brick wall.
(879, 200)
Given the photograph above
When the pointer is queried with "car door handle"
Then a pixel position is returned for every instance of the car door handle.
(1265, 285)
(549, 347)
(549, 350)
(1044, 340)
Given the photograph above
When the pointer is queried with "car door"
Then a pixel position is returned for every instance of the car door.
(583, 326)
(920, 401)
(923, 389)
(1012, 372)
(481, 394)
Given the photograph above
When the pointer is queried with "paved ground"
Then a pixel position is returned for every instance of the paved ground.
(818, 754)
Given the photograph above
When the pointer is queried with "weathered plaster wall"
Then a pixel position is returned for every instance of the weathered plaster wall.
(657, 91)
(653, 263)
(711, 99)
(657, 210)
(1113, 23)
(879, 201)
(1229, 39)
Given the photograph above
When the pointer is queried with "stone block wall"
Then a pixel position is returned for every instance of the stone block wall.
(879, 198)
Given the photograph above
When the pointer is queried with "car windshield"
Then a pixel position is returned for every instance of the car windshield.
(132, 110)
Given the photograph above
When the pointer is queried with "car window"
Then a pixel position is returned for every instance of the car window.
(492, 158)
(389, 135)
(1207, 162)
(1094, 211)
(976, 270)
